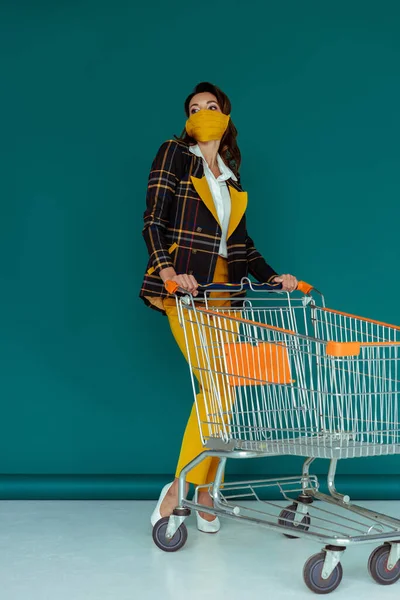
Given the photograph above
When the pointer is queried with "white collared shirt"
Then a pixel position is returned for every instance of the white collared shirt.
(220, 193)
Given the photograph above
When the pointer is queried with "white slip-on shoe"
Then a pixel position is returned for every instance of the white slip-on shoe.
(208, 526)
(156, 516)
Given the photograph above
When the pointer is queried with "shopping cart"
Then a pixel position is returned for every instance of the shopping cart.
(281, 374)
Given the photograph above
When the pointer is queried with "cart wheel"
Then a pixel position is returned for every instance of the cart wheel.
(378, 569)
(286, 517)
(312, 574)
(175, 543)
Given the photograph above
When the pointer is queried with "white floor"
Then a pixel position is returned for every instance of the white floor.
(104, 551)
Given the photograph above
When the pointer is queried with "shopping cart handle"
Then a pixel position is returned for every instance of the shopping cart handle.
(246, 284)
(172, 287)
(239, 287)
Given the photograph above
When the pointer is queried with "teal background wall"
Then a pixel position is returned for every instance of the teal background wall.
(94, 393)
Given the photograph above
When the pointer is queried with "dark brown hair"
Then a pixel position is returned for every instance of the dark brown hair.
(229, 150)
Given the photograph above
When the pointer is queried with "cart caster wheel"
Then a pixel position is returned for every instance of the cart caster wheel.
(175, 543)
(312, 574)
(378, 569)
(286, 517)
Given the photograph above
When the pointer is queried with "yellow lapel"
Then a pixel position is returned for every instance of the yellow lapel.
(238, 202)
(203, 190)
(238, 208)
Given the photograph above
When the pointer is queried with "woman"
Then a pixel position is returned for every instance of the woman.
(195, 231)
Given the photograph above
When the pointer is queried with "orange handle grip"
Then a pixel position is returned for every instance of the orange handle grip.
(304, 287)
(171, 286)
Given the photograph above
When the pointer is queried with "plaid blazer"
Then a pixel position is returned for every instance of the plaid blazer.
(181, 227)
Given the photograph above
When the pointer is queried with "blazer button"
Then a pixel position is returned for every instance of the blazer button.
(190, 273)
(199, 229)
(194, 251)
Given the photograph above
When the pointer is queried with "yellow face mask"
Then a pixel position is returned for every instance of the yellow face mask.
(206, 125)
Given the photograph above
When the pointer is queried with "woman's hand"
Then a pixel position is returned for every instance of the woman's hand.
(186, 282)
(289, 282)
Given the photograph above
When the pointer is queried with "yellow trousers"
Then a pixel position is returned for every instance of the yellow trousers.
(191, 443)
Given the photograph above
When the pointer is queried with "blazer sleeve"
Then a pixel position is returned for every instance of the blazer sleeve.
(164, 176)
(258, 267)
